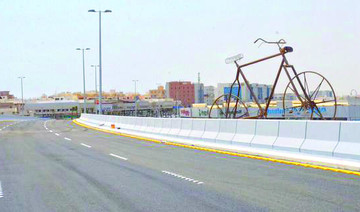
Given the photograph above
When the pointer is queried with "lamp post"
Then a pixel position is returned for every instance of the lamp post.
(83, 59)
(100, 62)
(95, 66)
(22, 95)
(135, 97)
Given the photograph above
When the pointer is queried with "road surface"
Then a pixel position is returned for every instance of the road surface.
(59, 166)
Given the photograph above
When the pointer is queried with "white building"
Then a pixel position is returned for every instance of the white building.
(209, 94)
(261, 91)
(199, 92)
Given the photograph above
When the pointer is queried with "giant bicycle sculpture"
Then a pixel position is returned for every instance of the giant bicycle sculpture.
(300, 99)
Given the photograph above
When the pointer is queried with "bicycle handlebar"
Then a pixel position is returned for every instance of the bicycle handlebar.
(281, 41)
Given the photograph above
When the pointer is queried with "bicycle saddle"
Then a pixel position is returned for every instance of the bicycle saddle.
(233, 59)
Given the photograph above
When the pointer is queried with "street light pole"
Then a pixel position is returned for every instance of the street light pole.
(22, 95)
(95, 66)
(100, 62)
(135, 97)
(83, 59)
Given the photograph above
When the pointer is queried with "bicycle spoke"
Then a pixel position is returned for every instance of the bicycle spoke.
(219, 108)
(317, 90)
(292, 89)
(306, 85)
(312, 113)
(325, 101)
(321, 116)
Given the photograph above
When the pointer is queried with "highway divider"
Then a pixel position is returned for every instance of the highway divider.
(332, 143)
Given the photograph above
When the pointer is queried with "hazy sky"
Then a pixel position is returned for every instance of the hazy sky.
(158, 41)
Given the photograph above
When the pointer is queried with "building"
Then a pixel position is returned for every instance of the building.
(183, 91)
(144, 108)
(224, 89)
(6, 95)
(57, 108)
(261, 91)
(209, 94)
(158, 93)
(199, 92)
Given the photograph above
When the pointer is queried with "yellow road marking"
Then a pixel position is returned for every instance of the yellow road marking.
(225, 152)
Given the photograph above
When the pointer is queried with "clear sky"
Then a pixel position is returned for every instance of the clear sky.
(163, 40)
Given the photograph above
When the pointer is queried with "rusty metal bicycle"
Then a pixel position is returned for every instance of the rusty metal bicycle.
(300, 100)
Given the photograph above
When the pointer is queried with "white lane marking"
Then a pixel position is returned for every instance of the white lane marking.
(183, 177)
(50, 131)
(85, 145)
(57, 134)
(69, 139)
(117, 156)
(1, 192)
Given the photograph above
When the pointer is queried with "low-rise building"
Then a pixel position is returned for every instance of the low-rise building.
(183, 91)
(57, 108)
(158, 93)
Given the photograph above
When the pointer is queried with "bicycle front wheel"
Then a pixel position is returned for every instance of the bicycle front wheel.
(316, 97)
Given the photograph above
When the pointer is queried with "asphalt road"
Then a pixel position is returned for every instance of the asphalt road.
(59, 166)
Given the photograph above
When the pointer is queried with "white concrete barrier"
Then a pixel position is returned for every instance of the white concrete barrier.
(266, 133)
(175, 127)
(245, 132)
(166, 127)
(321, 137)
(120, 121)
(291, 135)
(305, 140)
(212, 127)
(198, 129)
(227, 131)
(157, 125)
(140, 123)
(110, 120)
(186, 127)
(125, 123)
(149, 127)
(349, 144)
(132, 123)
(84, 116)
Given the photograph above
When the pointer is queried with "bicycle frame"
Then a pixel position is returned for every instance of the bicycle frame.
(284, 65)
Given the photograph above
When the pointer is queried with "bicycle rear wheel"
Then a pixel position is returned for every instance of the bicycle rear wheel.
(235, 109)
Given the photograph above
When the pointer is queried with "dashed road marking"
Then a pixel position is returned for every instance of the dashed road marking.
(69, 139)
(1, 192)
(85, 145)
(183, 177)
(57, 134)
(117, 156)
(50, 131)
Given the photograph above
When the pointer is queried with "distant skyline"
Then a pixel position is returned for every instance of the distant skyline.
(159, 41)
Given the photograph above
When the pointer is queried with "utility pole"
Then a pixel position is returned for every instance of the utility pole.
(22, 95)
(135, 100)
